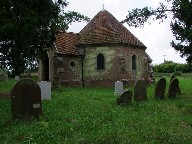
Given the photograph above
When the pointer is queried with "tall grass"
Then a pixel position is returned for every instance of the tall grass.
(90, 115)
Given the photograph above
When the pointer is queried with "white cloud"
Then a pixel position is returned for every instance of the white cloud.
(114, 2)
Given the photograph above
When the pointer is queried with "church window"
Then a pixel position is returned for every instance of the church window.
(134, 62)
(100, 62)
(72, 64)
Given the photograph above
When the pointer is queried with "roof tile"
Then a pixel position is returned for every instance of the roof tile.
(66, 43)
(105, 28)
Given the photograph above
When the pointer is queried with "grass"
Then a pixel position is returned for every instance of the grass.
(90, 115)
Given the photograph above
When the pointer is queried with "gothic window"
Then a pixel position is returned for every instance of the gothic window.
(100, 62)
(134, 62)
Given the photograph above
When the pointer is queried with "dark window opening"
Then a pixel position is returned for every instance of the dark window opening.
(100, 62)
(134, 65)
(72, 64)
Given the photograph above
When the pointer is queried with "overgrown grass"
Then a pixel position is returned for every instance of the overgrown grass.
(90, 115)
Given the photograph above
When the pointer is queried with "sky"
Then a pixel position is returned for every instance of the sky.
(156, 37)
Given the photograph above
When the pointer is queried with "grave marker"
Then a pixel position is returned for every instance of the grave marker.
(160, 89)
(26, 99)
(118, 88)
(140, 90)
(45, 90)
(3, 77)
(174, 88)
(125, 98)
(172, 77)
(17, 78)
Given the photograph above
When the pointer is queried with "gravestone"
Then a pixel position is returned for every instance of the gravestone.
(45, 90)
(26, 99)
(160, 89)
(140, 90)
(174, 88)
(125, 98)
(118, 88)
(17, 78)
(172, 77)
(3, 77)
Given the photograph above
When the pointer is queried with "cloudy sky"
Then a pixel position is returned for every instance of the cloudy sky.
(156, 37)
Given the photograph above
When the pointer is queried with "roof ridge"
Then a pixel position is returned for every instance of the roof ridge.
(105, 20)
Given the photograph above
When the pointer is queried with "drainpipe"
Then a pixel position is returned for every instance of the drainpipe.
(82, 72)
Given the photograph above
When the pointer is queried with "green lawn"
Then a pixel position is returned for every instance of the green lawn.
(90, 115)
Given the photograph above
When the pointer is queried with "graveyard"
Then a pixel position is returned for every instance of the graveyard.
(93, 115)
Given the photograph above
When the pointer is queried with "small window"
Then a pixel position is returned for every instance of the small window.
(134, 62)
(72, 64)
(100, 62)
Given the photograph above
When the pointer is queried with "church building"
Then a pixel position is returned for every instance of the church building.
(103, 52)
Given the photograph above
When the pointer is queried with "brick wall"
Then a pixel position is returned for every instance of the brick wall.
(114, 56)
(118, 66)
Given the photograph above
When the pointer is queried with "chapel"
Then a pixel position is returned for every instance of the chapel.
(103, 52)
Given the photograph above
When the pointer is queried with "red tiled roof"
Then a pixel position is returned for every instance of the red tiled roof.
(105, 28)
(66, 43)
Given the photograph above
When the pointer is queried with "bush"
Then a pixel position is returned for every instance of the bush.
(177, 73)
(171, 67)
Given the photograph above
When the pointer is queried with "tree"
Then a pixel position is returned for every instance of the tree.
(28, 29)
(171, 67)
(181, 24)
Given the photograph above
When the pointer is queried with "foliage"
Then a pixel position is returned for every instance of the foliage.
(28, 28)
(90, 115)
(171, 67)
(2, 69)
(181, 24)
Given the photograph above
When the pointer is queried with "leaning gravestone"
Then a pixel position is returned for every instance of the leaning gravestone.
(140, 90)
(174, 88)
(160, 89)
(26, 99)
(125, 98)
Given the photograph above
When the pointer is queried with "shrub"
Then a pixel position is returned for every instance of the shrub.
(177, 73)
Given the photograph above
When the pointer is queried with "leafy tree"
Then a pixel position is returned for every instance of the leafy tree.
(171, 67)
(181, 24)
(28, 29)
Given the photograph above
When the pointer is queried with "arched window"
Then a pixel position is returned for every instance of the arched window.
(134, 62)
(100, 62)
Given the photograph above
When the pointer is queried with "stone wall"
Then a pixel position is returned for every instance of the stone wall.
(118, 63)
(69, 68)
(118, 66)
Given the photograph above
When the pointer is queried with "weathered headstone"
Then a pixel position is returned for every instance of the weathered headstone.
(3, 77)
(26, 99)
(140, 90)
(160, 89)
(172, 77)
(125, 98)
(17, 78)
(45, 90)
(118, 88)
(174, 88)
